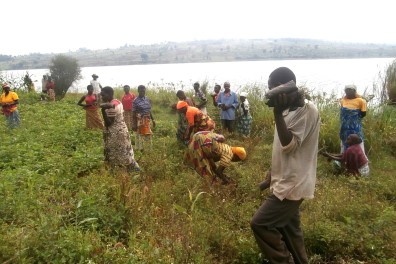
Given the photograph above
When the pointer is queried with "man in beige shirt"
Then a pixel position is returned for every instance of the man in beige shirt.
(276, 224)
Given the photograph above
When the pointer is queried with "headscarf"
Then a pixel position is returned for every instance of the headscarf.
(181, 104)
(239, 151)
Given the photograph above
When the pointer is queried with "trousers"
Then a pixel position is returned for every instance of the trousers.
(276, 228)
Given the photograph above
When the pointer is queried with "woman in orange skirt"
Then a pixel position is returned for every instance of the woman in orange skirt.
(92, 118)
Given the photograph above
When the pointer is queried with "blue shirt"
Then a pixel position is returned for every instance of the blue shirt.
(230, 99)
(141, 105)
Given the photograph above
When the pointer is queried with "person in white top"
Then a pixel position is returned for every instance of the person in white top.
(96, 85)
(292, 177)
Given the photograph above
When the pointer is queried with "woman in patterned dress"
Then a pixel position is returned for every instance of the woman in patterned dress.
(244, 119)
(197, 121)
(142, 119)
(9, 106)
(50, 89)
(205, 149)
(92, 117)
(118, 149)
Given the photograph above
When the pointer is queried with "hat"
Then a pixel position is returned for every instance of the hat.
(181, 104)
(239, 151)
(94, 75)
(350, 86)
(244, 94)
(5, 85)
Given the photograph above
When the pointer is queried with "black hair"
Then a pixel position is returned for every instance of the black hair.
(141, 87)
(281, 75)
(108, 90)
(196, 83)
(127, 86)
(89, 86)
(179, 92)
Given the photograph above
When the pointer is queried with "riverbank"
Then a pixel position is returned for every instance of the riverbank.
(58, 203)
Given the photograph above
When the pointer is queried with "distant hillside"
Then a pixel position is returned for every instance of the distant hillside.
(207, 51)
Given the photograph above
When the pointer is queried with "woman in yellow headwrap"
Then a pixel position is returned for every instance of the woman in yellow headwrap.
(206, 148)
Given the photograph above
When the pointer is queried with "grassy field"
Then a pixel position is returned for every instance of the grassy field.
(59, 204)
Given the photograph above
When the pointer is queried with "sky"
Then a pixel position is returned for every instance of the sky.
(54, 26)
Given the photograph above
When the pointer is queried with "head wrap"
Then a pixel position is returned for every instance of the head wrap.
(5, 85)
(94, 75)
(239, 151)
(244, 94)
(181, 104)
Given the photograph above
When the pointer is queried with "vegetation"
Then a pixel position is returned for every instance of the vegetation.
(64, 71)
(59, 204)
(208, 51)
(390, 82)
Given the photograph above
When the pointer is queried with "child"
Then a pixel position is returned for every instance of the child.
(353, 159)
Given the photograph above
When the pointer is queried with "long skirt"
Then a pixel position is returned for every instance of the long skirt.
(143, 135)
(92, 119)
(13, 119)
(51, 94)
(244, 125)
(118, 149)
(128, 118)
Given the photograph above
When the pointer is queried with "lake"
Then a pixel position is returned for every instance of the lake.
(324, 75)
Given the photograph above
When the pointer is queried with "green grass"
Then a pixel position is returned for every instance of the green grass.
(59, 204)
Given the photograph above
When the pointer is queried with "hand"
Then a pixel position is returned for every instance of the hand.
(281, 103)
(106, 105)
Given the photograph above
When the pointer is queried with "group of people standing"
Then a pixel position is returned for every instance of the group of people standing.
(119, 117)
(228, 114)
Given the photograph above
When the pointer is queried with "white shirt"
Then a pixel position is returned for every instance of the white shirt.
(96, 86)
(293, 171)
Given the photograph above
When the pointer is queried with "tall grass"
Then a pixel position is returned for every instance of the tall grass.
(59, 203)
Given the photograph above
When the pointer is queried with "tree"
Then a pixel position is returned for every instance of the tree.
(64, 71)
(390, 82)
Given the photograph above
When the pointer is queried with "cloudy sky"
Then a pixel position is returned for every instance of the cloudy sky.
(47, 26)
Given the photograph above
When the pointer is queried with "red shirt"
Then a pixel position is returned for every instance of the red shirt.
(354, 158)
(90, 99)
(127, 101)
(50, 85)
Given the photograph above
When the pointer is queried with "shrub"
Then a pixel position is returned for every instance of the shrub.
(64, 71)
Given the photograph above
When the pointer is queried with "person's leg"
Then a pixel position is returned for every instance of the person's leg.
(231, 125)
(294, 239)
(266, 223)
(224, 125)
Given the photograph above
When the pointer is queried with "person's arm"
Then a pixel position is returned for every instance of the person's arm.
(108, 119)
(214, 100)
(188, 132)
(245, 111)
(285, 136)
(152, 119)
(332, 156)
(203, 101)
(235, 103)
(281, 103)
(15, 102)
(134, 121)
(82, 100)
(362, 114)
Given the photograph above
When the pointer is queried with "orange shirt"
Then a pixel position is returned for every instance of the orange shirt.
(355, 103)
(10, 98)
(190, 114)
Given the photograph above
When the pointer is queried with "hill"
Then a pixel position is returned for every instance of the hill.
(207, 51)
